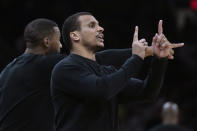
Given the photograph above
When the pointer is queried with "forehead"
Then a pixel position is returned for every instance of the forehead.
(56, 30)
(86, 19)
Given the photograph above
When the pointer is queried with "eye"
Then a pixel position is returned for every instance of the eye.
(92, 25)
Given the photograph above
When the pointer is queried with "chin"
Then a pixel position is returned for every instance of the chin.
(101, 45)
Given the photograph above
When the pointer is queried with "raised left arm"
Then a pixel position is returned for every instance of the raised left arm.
(115, 57)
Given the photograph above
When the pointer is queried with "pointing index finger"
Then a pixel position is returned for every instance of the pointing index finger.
(176, 45)
(135, 36)
(160, 27)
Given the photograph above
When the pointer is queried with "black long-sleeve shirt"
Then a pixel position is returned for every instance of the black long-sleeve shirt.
(86, 95)
(25, 102)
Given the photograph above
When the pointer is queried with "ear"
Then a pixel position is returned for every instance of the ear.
(46, 42)
(74, 36)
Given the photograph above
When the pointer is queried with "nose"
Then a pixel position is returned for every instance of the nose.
(101, 29)
(60, 44)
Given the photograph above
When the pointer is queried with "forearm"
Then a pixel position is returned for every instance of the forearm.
(149, 51)
(110, 85)
(154, 81)
(115, 57)
(81, 82)
(148, 89)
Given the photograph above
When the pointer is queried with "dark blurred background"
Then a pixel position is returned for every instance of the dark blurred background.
(119, 19)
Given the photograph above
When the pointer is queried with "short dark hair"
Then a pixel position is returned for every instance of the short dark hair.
(37, 30)
(71, 24)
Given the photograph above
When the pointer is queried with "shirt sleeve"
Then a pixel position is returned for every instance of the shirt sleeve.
(78, 81)
(148, 89)
(115, 57)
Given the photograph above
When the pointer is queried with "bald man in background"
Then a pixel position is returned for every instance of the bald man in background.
(170, 119)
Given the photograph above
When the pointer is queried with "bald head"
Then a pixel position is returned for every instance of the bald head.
(170, 113)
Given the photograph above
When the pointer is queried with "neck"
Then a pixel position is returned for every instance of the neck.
(36, 50)
(84, 52)
(170, 121)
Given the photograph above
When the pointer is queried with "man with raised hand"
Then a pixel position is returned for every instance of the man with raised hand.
(86, 94)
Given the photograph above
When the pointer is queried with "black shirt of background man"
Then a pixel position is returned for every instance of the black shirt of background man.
(25, 102)
(86, 95)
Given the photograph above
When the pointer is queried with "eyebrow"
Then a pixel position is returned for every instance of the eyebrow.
(96, 22)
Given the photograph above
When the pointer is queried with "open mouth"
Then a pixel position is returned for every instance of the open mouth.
(100, 37)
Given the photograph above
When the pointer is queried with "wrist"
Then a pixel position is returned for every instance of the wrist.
(149, 51)
(141, 55)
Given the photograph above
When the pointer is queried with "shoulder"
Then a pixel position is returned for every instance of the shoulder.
(66, 61)
(7, 67)
(67, 69)
(65, 64)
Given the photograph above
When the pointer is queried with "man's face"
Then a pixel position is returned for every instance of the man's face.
(54, 41)
(91, 34)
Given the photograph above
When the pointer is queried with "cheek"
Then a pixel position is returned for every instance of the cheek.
(55, 45)
(89, 35)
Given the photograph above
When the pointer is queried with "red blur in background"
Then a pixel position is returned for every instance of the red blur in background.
(193, 4)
